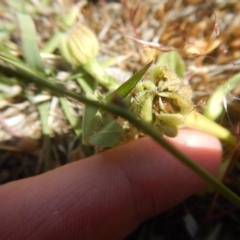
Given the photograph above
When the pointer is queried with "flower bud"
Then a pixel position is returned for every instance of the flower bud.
(79, 46)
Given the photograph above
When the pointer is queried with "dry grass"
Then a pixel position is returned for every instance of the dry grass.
(206, 34)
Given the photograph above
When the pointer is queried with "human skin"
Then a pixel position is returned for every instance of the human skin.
(108, 195)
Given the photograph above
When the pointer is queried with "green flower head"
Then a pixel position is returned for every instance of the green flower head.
(162, 100)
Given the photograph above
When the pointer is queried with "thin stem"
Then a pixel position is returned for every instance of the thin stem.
(59, 90)
(225, 191)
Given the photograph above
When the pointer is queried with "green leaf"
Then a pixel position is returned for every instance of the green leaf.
(29, 41)
(89, 121)
(18, 5)
(201, 123)
(72, 16)
(43, 109)
(214, 106)
(75, 123)
(53, 43)
(84, 85)
(127, 87)
(175, 61)
(19, 64)
(26, 73)
(108, 136)
(93, 68)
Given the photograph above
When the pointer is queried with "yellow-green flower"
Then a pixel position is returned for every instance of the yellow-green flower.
(163, 100)
(79, 45)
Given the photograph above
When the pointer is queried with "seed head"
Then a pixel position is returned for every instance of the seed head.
(162, 100)
(79, 45)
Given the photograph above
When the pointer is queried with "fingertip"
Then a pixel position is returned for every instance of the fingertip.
(107, 195)
(205, 149)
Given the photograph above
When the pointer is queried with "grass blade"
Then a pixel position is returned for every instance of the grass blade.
(214, 106)
(75, 123)
(29, 41)
(89, 121)
(127, 87)
(56, 89)
(43, 110)
(53, 43)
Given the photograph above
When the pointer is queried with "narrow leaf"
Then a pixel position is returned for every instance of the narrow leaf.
(75, 123)
(43, 109)
(89, 121)
(127, 87)
(29, 41)
(26, 73)
(53, 43)
(19, 65)
(214, 106)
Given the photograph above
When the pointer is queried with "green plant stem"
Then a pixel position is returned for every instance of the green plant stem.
(56, 89)
(199, 122)
(96, 70)
(53, 43)
(43, 109)
(231, 196)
